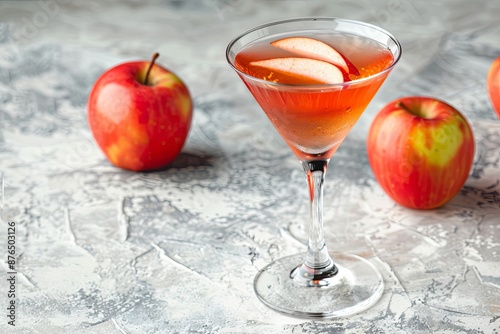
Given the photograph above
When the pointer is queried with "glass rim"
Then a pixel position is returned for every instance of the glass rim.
(314, 86)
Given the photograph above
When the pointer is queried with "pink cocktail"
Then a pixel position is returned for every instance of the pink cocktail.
(313, 78)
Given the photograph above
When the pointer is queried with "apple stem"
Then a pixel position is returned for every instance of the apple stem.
(403, 106)
(153, 59)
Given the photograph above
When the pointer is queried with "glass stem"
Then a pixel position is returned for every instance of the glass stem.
(318, 264)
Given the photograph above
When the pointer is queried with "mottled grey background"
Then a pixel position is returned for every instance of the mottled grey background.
(102, 250)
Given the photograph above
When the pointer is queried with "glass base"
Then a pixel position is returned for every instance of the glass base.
(357, 286)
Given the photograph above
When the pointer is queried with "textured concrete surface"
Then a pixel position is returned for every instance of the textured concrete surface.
(102, 250)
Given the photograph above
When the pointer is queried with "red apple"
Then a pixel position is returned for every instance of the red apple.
(140, 114)
(421, 151)
(493, 85)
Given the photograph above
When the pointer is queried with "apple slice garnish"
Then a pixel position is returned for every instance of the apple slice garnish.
(315, 49)
(303, 68)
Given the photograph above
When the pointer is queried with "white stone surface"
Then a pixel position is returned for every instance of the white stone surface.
(110, 251)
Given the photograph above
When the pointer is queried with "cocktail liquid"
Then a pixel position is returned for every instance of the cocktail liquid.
(315, 118)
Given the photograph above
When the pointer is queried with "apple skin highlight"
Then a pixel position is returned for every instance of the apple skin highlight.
(139, 127)
(421, 151)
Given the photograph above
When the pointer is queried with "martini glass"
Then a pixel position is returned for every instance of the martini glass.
(314, 119)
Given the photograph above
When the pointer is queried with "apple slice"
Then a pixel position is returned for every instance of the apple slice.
(303, 68)
(313, 48)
